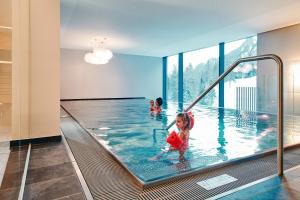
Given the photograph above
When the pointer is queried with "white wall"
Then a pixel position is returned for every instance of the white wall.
(123, 76)
(284, 42)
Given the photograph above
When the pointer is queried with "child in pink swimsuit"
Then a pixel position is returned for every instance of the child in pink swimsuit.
(182, 122)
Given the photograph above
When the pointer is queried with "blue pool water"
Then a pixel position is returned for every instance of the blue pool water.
(134, 135)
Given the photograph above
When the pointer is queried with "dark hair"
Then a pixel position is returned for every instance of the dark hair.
(159, 101)
(185, 117)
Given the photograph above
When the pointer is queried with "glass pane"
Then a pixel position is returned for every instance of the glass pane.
(240, 85)
(291, 101)
(200, 70)
(172, 84)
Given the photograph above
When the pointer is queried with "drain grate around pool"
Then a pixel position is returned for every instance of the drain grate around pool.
(217, 181)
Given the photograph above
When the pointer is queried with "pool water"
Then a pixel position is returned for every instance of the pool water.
(135, 136)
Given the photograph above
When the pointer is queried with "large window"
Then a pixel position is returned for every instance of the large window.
(200, 70)
(172, 84)
(240, 84)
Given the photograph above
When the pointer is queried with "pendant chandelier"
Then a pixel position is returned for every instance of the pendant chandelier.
(99, 55)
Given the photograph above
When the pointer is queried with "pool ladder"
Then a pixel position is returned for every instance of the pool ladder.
(278, 60)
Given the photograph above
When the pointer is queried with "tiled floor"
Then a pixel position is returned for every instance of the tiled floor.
(51, 174)
(12, 178)
(276, 188)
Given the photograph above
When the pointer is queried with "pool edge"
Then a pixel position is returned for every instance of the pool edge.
(149, 184)
(135, 178)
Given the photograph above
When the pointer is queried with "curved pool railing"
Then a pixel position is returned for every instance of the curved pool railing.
(279, 62)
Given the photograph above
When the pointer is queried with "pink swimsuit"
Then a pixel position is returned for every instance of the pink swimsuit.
(185, 144)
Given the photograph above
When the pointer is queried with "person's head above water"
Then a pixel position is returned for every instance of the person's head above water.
(183, 121)
(159, 101)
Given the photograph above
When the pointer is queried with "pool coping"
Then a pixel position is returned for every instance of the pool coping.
(145, 185)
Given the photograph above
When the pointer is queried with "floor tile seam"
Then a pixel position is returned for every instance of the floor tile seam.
(59, 160)
(15, 155)
(18, 185)
(30, 168)
(38, 152)
(49, 180)
(68, 196)
(16, 162)
(49, 148)
(8, 189)
(42, 144)
(13, 173)
(45, 148)
(41, 155)
(61, 176)
(35, 195)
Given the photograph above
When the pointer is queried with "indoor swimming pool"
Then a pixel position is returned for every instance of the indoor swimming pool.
(134, 136)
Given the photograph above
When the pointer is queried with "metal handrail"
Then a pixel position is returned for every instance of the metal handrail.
(278, 60)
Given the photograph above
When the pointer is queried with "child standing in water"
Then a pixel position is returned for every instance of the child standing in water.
(182, 123)
(152, 107)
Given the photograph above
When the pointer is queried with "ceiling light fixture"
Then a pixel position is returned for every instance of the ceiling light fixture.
(99, 55)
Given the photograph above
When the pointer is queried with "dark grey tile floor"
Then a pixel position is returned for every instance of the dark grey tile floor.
(51, 174)
(12, 178)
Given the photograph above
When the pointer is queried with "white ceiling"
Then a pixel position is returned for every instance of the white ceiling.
(167, 27)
